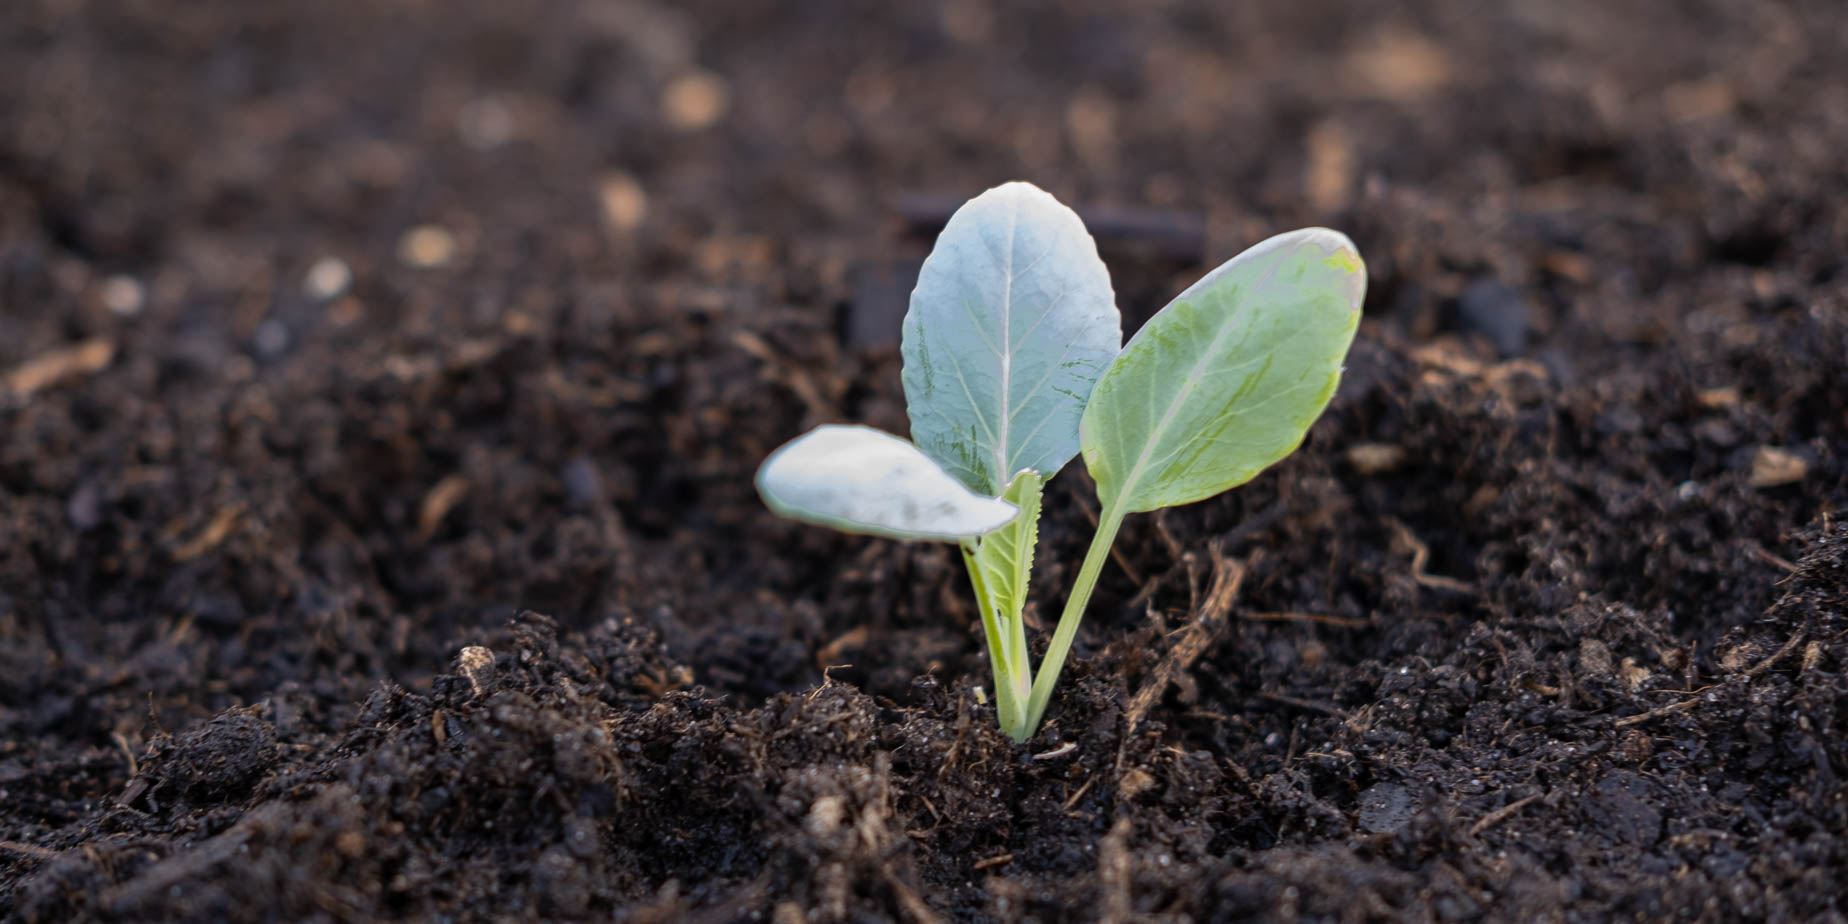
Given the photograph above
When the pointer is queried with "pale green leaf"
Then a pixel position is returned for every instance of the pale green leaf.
(1000, 564)
(863, 480)
(1005, 556)
(1227, 379)
(1010, 325)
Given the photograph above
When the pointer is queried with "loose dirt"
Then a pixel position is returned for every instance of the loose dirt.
(383, 383)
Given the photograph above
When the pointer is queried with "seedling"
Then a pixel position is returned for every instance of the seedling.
(1012, 367)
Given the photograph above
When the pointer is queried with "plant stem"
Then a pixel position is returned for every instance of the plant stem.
(1020, 661)
(1054, 661)
(1009, 661)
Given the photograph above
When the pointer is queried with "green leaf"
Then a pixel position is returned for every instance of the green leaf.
(1010, 325)
(862, 480)
(1006, 555)
(1000, 564)
(1227, 379)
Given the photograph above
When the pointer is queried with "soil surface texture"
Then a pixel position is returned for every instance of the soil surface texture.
(381, 386)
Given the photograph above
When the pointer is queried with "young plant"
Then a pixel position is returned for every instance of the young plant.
(1010, 325)
(1011, 367)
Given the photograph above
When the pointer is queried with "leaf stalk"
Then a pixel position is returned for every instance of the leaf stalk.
(1107, 525)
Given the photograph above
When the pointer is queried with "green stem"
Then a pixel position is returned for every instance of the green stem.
(1020, 657)
(1054, 661)
(1009, 662)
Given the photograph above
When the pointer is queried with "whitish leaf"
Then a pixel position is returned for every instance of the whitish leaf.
(1227, 379)
(863, 480)
(1010, 325)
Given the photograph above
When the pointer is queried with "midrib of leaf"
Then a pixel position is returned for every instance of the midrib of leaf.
(981, 442)
(1131, 480)
(1007, 355)
(1004, 470)
(968, 393)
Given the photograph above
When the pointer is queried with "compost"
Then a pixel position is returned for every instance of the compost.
(383, 385)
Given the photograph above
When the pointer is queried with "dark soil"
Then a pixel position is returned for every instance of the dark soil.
(1547, 621)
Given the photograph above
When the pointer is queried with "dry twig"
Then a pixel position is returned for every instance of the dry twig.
(1341, 621)
(1796, 638)
(1764, 555)
(1421, 554)
(1778, 655)
(1310, 705)
(30, 850)
(1502, 814)
(1228, 574)
(54, 366)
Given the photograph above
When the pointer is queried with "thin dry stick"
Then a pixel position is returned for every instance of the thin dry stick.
(1310, 705)
(1421, 554)
(1768, 558)
(1341, 621)
(1502, 814)
(30, 850)
(1080, 793)
(134, 767)
(1658, 712)
(1686, 704)
(1148, 589)
(1789, 646)
(1194, 639)
(1056, 753)
(908, 898)
(962, 728)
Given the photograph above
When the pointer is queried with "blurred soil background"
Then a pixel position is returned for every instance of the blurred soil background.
(381, 385)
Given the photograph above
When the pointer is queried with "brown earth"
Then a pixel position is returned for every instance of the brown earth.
(338, 338)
